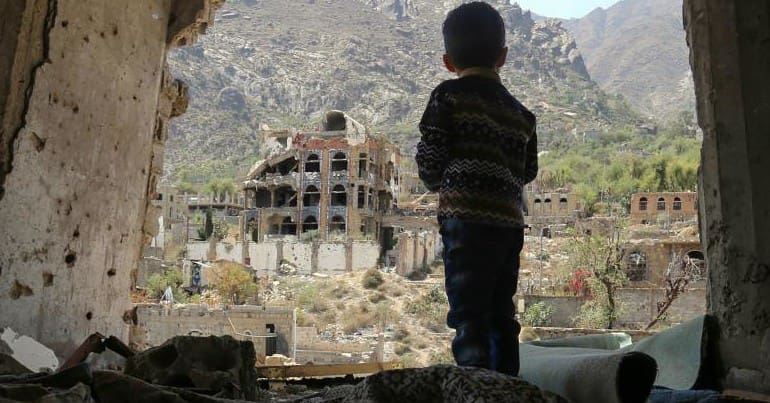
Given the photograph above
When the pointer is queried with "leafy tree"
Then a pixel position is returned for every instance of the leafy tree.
(233, 282)
(602, 258)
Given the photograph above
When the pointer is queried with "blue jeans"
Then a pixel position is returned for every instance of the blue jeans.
(481, 266)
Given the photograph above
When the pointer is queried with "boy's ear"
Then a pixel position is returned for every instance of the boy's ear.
(448, 64)
(503, 56)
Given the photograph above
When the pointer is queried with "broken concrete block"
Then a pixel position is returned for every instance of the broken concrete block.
(216, 364)
(28, 352)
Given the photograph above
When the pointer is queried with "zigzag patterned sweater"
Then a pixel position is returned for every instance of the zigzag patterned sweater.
(478, 149)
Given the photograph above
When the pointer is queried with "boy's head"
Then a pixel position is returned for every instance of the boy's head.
(474, 36)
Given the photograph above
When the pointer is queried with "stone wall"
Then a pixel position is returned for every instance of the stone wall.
(84, 98)
(637, 307)
(730, 57)
(158, 323)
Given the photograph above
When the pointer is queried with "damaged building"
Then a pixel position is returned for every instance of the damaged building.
(319, 200)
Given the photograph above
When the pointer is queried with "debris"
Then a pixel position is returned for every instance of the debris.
(28, 352)
(97, 343)
(221, 365)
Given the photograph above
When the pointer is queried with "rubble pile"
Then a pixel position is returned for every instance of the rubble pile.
(184, 369)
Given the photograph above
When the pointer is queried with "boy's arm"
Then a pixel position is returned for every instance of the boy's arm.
(432, 150)
(530, 169)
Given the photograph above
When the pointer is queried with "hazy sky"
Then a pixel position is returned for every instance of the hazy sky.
(564, 8)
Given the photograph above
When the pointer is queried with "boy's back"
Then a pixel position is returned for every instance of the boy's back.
(478, 149)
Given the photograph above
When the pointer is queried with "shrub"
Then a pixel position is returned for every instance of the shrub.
(377, 297)
(537, 315)
(401, 349)
(430, 309)
(233, 282)
(372, 279)
(441, 357)
(158, 282)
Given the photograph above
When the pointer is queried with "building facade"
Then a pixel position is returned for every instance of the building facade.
(663, 207)
(332, 184)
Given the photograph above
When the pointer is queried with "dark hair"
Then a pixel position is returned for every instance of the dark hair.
(474, 35)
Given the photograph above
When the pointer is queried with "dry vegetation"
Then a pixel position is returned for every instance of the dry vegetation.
(411, 314)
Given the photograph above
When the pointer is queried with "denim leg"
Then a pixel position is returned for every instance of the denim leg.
(473, 255)
(504, 329)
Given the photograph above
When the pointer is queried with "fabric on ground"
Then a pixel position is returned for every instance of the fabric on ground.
(682, 353)
(438, 384)
(589, 375)
(581, 374)
(609, 341)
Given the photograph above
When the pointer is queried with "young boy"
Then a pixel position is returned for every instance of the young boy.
(478, 149)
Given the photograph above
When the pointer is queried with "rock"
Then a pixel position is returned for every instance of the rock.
(217, 364)
(28, 352)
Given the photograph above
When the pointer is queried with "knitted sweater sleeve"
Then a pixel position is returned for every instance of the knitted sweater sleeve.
(432, 150)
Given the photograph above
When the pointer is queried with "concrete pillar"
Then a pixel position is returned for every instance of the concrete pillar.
(83, 97)
(730, 56)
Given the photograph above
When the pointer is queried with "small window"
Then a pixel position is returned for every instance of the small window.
(661, 204)
(637, 266)
(313, 163)
(643, 204)
(339, 162)
(310, 224)
(339, 196)
(677, 203)
(337, 224)
(312, 197)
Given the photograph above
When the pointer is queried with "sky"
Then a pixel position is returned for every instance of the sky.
(564, 8)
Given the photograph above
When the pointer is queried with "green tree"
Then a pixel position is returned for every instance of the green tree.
(233, 282)
(602, 257)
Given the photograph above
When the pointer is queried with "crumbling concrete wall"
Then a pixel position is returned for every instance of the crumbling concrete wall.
(84, 100)
(331, 257)
(730, 56)
(365, 255)
(158, 323)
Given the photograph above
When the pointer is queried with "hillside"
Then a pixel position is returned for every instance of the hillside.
(283, 63)
(637, 48)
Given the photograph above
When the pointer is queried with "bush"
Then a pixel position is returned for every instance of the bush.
(441, 357)
(430, 309)
(233, 282)
(594, 315)
(377, 297)
(372, 279)
(158, 282)
(537, 315)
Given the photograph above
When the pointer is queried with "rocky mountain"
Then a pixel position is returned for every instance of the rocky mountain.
(637, 48)
(286, 62)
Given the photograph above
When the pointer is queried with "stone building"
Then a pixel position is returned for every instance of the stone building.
(336, 183)
(646, 261)
(663, 207)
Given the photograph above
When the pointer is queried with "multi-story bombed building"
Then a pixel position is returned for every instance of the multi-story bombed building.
(334, 184)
